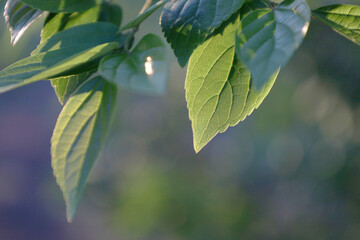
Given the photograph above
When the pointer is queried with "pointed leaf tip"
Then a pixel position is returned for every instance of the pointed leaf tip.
(70, 213)
(79, 137)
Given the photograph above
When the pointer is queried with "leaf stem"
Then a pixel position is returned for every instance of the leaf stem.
(147, 4)
(132, 32)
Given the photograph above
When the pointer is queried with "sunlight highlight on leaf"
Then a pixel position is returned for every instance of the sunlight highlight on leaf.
(145, 69)
(305, 28)
(149, 66)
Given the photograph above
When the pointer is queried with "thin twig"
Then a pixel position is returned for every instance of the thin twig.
(146, 6)
(132, 31)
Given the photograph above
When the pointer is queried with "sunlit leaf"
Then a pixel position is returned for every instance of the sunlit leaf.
(49, 64)
(65, 86)
(56, 22)
(344, 19)
(107, 12)
(79, 137)
(84, 36)
(219, 88)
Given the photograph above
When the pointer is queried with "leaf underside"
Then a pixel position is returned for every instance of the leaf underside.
(219, 88)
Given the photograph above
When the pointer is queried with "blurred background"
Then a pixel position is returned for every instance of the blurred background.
(290, 171)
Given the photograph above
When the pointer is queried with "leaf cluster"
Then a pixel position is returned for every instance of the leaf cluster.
(234, 50)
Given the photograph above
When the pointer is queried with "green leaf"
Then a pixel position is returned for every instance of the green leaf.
(111, 12)
(106, 12)
(62, 5)
(251, 5)
(267, 39)
(208, 89)
(143, 16)
(344, 19)
(219, 88)
(145, 69)
(19, 17)
(187, 23)
(49, 65)
(79, 137)
(80, 37)
(65, 86)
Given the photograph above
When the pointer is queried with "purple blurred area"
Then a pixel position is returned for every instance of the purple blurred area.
(290, 171)
(26, 124)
